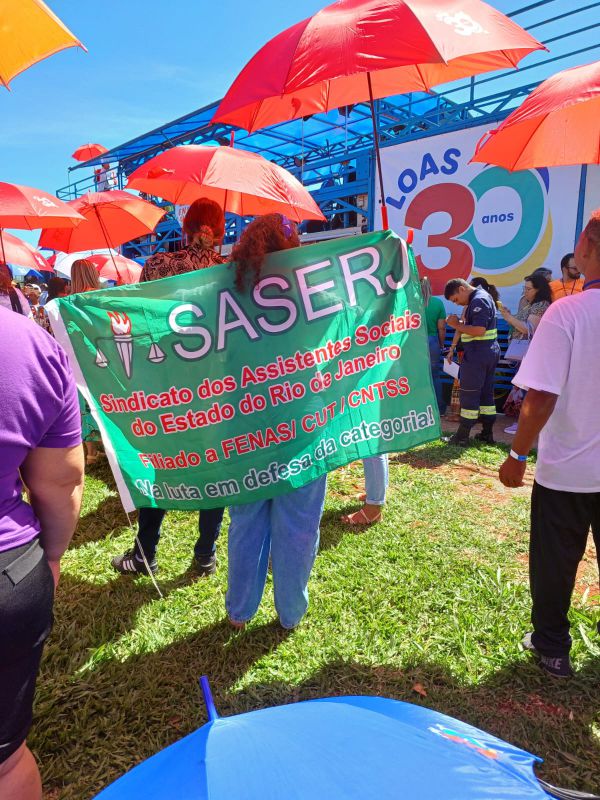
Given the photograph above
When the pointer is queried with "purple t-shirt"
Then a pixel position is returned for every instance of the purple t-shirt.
(38, 408)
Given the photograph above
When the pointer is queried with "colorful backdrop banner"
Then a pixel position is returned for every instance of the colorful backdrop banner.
(207, 396)
(476, 220)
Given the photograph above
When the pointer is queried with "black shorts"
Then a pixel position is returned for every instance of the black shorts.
(26, 599)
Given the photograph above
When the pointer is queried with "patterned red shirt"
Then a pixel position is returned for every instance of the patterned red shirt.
(193, 257)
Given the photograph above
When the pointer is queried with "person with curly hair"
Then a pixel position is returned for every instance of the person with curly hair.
(267, 234)
(204, 225)
(286, 527)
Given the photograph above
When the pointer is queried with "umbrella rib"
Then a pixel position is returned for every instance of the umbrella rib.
(104, 231)
(422, 77)
(287, 75)
(537, 127)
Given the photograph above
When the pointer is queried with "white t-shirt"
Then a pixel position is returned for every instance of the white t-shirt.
(564, 359)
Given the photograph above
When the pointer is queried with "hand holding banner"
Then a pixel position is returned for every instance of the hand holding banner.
(207, 396)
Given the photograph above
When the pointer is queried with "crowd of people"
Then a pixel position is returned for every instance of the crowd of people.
(42, 433)
(479, 361)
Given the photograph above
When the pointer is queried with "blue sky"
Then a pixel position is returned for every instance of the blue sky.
(150, 62)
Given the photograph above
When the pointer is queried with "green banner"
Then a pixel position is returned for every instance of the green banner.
(207, 396)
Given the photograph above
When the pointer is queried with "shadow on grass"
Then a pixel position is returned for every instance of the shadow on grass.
(432, 456)
(103, 710)
(90, 614)
(100, 521)
(332, 530)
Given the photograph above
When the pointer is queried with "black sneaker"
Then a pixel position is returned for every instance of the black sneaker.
(131, 564)
(486, 438)
(205, 565)
(556, 666)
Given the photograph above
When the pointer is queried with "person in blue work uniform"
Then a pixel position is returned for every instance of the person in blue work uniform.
(479, 337)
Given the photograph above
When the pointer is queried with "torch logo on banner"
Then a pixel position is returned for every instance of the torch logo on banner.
(121, 328)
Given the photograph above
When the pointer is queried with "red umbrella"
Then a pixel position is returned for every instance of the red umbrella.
(86, 151)
(239, 181)
(110, 218)
(358, 50)
(16, 251)
(27, 208)
(116, 268)
(558, 124)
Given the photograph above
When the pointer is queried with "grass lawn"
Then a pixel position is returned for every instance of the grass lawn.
(428, 606)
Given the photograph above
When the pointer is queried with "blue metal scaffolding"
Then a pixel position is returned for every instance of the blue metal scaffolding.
(332, 154)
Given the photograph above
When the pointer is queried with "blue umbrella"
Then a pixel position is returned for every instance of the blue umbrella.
(337, 748)
(24, 272)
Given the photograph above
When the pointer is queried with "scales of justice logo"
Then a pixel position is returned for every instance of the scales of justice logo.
(123, 338)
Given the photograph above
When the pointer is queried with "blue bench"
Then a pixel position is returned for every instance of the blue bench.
(505, 370)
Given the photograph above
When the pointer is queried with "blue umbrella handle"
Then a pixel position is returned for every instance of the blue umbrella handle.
(208, 699)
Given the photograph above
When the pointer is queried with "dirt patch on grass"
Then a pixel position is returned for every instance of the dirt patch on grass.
(587, 575)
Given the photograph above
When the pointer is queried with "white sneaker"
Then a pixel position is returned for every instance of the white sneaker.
(527, 644)
(512, 429)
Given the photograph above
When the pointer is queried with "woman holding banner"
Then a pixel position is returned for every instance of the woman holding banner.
(204, 224)
(286, 528)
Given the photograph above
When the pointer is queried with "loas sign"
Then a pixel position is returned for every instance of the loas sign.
(477, 220)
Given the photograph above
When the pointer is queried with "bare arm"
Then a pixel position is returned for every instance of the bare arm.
(517, 324)
(455, 341)
(469, 330)
(535, 413)
(533, 320)
(441, 326)
(54, 479)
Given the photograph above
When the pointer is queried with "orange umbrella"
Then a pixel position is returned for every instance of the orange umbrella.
(116, 268)
(241, 182)
(29, 33)
(110, 218)
(16, 251)
(358, 50)
(86, 151)
(557, 125)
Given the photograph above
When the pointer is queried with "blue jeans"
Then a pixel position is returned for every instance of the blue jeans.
(287, 528)
(209, 526)
(435, 354)
(376, 479)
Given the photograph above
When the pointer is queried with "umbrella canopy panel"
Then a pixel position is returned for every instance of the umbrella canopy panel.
(241, 182)
(29, 33)
(116, 267)
(328, 60)
(557, 125)
(27, 208)
(110, 218)
(345, 748)
(17, 252)
(86, 151)
(63, 262)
